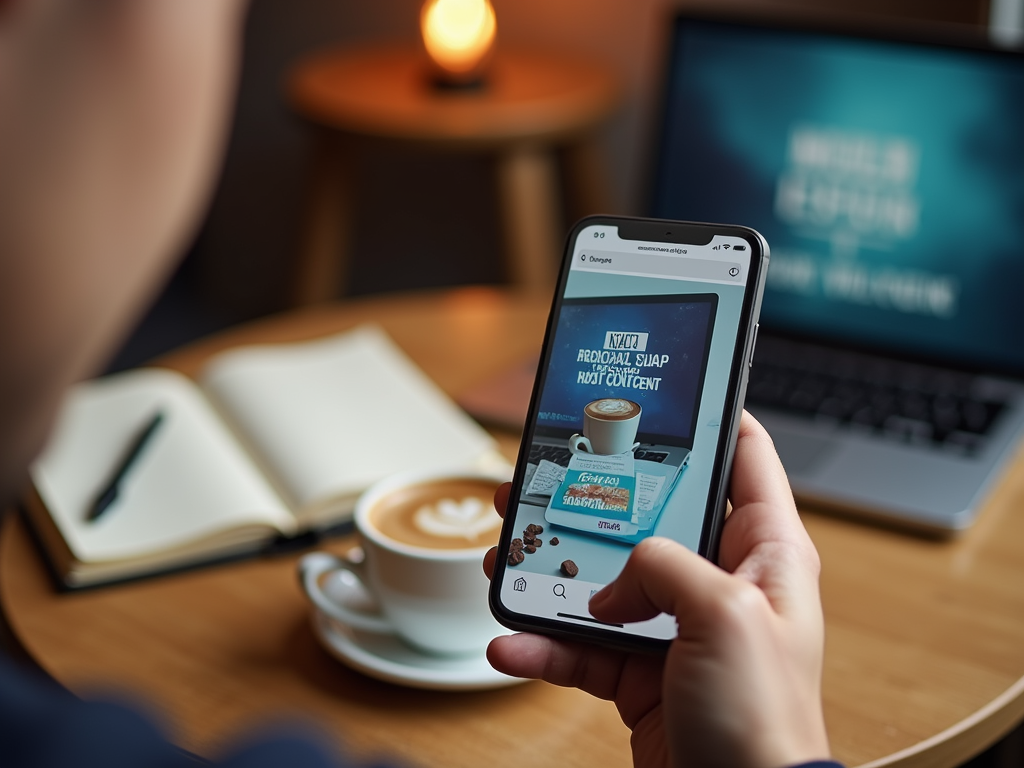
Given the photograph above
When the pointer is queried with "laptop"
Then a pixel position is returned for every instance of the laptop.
(667, 431)
(887, 174)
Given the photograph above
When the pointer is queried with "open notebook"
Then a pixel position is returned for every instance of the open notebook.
(272, 443)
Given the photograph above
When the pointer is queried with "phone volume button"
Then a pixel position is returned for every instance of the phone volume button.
(753, 345)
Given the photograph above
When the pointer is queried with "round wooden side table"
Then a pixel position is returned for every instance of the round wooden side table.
(530, 105)
(924, 660)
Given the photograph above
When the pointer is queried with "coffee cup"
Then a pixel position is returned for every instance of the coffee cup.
(422, 539)
(609, 427)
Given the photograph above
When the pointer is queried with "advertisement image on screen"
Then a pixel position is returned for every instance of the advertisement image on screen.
(625, 377)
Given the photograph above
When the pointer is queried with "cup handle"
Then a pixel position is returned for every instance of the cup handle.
(312, 567)
(580, 444)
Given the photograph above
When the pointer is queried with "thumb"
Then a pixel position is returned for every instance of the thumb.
(661, 576)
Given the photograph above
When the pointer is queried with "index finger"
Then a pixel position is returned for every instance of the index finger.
(501, 497)
(764, 539)
(758, 476)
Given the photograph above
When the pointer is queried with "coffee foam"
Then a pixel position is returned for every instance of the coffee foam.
(464, 519)
(450, 513)
(612, 407)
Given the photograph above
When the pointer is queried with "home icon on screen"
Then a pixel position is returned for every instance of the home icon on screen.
(519, 585)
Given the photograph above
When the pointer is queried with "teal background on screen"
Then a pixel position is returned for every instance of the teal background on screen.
(736, 96)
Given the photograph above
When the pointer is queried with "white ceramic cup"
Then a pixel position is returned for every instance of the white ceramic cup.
(606, 436)
(434, 599)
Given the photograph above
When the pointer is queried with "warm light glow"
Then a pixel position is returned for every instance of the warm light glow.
(458, 34)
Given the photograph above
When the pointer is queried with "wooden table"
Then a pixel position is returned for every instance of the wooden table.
(531, 104)
(925, 640)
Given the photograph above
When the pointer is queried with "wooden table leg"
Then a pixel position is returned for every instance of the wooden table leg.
(531, 214)
(321, 267)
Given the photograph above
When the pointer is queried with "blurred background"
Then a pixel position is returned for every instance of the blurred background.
(429, 219)
(424, 219)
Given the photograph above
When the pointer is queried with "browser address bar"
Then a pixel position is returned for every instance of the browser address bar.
(661, 266)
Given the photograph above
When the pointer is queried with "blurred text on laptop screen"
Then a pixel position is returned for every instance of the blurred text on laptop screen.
(888, 178)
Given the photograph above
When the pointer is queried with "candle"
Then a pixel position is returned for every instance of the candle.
(458, 36)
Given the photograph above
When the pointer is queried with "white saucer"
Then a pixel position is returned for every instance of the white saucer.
(387, 658)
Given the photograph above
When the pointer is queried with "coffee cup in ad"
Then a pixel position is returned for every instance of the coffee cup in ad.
(609, 427)
(422, 540)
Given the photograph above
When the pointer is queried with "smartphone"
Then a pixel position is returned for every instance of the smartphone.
(633, 419)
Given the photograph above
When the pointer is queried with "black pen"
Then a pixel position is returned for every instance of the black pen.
(107, 496)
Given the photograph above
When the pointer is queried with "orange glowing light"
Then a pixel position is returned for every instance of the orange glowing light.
(458, 35)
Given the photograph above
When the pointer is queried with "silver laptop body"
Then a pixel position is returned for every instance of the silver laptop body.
(887, 173)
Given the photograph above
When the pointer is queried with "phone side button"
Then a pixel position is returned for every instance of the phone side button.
(753, 345)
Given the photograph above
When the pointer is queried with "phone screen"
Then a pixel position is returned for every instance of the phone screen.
(633, 417)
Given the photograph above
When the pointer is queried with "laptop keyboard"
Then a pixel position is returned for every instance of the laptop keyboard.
(560, 455)
(908, 402)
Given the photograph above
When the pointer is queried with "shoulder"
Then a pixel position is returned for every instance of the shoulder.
(44, 726)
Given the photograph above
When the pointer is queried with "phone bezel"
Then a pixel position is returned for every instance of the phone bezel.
(652, 230)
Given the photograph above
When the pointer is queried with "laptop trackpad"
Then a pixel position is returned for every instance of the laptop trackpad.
(800, 454)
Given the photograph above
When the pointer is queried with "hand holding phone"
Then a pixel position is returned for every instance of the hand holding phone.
(633, 419)
(741, 685)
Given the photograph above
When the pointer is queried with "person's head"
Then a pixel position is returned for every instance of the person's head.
(111, 120)
(61, 315)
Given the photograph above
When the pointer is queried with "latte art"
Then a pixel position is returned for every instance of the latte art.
(612, 408)
(451, 513)
(464, 519)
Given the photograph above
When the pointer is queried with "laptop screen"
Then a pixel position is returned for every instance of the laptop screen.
(675, 339)
(887, 177)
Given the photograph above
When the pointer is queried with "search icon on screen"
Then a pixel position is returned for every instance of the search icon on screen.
(559, 590)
